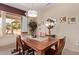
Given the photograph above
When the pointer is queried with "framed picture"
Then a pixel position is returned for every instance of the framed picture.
(72, 20)
(62, 19)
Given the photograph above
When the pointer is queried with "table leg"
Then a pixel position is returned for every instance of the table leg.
(40, 53)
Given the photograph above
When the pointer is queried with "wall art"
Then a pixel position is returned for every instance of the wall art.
(63, 19)
(71, 20)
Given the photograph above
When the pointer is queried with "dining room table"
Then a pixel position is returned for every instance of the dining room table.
(40, 45)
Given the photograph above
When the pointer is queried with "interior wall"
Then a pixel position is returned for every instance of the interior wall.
(24, 24)
(71, 31)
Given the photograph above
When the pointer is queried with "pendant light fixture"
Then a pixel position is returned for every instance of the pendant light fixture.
(32, 12)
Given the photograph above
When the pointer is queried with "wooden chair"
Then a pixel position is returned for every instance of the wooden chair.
(58, 48)
(22, 48)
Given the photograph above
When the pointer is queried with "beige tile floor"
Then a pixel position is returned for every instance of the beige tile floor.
(6, 50)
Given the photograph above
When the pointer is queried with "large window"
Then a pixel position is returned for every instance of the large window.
(13, 24)
(9, 23)
(0, 24)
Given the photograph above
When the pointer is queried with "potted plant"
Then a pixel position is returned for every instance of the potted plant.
(33, 26)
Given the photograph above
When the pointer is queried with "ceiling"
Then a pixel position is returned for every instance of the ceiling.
(28, 6)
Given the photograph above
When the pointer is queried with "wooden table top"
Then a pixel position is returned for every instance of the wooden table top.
(40, 45)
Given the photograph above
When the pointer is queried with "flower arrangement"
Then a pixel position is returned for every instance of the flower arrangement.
(50, 23)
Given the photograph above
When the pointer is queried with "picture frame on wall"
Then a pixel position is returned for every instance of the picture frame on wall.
(71, 20)
(63, 19)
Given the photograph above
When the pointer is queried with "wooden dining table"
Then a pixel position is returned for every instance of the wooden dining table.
(40, 46)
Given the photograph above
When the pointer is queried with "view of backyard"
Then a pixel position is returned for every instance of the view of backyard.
(12, 26)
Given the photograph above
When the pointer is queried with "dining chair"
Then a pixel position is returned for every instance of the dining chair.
(58, 48)
(22, 48)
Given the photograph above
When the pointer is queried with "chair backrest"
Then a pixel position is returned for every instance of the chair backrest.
(61, 44)
(20, 43)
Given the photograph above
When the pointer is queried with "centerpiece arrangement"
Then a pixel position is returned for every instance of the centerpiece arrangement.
(50, 23)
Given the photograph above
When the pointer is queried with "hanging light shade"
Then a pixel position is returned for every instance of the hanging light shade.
(32, 13)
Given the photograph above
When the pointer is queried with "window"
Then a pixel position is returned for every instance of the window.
(0, 24)
(13, 23)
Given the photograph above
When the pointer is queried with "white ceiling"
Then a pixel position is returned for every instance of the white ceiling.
(27, 6)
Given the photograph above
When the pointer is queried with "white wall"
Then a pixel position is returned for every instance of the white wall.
(71, 31)
(24, 24)
(3, 15)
